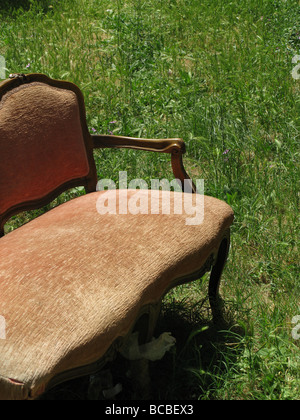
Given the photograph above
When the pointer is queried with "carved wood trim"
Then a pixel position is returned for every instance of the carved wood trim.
(176, 147)
(150, 145)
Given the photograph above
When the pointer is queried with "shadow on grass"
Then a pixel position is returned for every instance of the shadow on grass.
(186, 372)
(16, 4)
(202, 351)
(9, 6)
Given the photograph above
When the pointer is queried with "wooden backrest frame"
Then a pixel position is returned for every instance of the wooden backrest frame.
(89, 181)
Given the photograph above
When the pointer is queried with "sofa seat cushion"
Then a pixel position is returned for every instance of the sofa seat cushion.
(73, 280)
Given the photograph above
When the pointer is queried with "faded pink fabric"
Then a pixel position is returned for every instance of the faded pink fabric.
(72, 281)
(40, 131)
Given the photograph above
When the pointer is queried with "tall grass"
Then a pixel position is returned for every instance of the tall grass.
(217, 74)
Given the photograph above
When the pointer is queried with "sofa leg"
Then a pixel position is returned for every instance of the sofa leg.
(215, 279)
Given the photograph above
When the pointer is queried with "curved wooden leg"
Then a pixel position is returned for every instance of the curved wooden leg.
(215, 279)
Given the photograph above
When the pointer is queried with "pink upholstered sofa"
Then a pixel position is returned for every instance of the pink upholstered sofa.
(74, 282)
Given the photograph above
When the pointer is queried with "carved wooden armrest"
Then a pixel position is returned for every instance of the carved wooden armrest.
(176, 147)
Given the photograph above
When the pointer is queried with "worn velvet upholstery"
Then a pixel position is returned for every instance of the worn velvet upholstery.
(40, 131)
(77, 278)
(73, 280)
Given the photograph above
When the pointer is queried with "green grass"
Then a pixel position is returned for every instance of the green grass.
(217, 74)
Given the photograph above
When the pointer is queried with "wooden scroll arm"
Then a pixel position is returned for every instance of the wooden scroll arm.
(176, 147)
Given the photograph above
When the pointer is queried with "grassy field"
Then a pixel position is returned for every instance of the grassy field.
(219, 75)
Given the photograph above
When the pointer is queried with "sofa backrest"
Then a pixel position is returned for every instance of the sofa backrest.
(45, 146)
